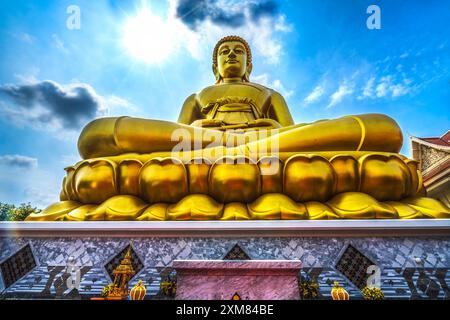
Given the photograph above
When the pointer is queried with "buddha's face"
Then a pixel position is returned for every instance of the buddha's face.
(231, 59)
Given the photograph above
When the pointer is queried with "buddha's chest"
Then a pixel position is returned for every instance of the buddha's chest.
(234, 103)
(258, 96)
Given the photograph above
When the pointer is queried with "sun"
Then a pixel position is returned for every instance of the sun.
(147, 37)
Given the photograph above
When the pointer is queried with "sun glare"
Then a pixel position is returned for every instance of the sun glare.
(147, 37)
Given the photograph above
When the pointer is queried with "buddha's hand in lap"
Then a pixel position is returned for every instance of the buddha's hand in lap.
(208, 123)
(270, 123)
(223, 126)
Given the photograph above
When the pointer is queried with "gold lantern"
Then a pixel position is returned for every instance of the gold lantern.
(236, 296)
(339, 293)
(138, 291)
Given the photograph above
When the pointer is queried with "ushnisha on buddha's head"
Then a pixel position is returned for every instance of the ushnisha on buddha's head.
(232, 60)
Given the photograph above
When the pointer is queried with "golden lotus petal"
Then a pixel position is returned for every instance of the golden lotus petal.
(195, 207)
(163, 180)
(119, 208)
(128, 176)
(271, 169)
(198, 170)
(79, 214)
(416, 177)
(308, 178)
(235, 211)
(386, 178)
(68, 184)
(234, 179)
(319, 211)
(155, 212)
(95, 181)
(346, 168)
(54, 211)
(405, 211)
(356, 205)
(98, 214)
(429, 207)
(273, 206)
(62, 194)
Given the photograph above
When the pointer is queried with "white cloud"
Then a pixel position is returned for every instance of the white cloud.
(42, 197)
(17, 160)
(386, 87)
(280, 87)
(339, 94)
(69, 160)
(383, 86)
(407, 81)
(25, 37)
(399, 90)
(282, 25)
(275, 84)
(50, 106)
(30, 78)
(114, 102)
(260, 35)
(314, 96)
(175, 33)
(368, 88)
(59, 44)
(442, 45)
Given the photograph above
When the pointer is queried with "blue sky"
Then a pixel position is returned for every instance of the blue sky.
(143, 58)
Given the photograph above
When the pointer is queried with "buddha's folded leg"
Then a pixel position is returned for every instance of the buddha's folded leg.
(119, 135)
(114, 136)
(367, 132)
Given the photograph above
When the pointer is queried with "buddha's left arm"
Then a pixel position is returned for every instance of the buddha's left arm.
(279, 110)
(190, 111)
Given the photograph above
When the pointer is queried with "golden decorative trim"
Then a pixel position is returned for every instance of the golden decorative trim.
(363, 132)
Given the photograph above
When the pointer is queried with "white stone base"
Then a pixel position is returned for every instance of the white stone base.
(266, 228)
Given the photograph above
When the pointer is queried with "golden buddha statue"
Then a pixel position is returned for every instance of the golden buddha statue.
(241, 157)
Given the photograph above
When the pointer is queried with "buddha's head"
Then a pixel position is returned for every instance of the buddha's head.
(232, 59)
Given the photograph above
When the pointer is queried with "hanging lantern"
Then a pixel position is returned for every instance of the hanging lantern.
(138, 291)
(339, 293)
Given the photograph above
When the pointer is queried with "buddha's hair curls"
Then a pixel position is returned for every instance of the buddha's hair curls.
(232, 38)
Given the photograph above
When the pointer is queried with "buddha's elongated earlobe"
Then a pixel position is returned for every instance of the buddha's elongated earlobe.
(248, 70)
(216, 73)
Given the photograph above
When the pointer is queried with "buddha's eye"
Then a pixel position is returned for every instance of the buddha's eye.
(226, 51)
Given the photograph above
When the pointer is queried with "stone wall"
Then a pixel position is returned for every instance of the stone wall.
(411, 267)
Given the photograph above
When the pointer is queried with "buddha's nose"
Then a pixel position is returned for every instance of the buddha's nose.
(232, 55)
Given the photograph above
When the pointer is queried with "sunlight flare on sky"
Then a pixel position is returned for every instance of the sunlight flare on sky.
(149, 38)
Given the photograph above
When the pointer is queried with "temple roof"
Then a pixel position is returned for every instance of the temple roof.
(442, 142)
